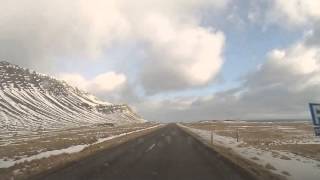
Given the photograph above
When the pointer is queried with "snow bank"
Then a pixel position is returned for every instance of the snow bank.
(6, 163)
(69, 150)
(298, 167)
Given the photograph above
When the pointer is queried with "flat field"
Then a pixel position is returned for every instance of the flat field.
(296, 137)
(26, 154)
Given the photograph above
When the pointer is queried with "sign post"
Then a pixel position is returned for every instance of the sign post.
(315, 114)
(317, 130)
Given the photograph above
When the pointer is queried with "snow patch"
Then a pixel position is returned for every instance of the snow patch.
(297, 166)
(6, 163)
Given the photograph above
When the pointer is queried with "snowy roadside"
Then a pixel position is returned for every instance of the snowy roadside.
(292, 166)
(6, 163)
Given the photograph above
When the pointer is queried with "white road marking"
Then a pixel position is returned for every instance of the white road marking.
(151, 147)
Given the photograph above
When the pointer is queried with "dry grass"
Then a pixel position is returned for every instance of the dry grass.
(258, 171)
(16, 147)
(294, 137)
(27, 169)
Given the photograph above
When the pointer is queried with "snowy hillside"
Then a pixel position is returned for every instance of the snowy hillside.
(31, 101)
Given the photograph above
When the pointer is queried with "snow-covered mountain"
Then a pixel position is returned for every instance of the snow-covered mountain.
(31, 101)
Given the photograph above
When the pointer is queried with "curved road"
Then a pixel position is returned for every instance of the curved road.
(165, 154)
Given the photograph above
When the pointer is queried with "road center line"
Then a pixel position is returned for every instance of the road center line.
(151, 147)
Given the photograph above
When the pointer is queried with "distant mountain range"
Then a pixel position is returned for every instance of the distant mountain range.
(31, 101)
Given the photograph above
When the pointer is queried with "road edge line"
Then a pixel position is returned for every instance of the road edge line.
(245, 165)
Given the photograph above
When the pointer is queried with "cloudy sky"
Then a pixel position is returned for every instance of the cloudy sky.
(175, 59)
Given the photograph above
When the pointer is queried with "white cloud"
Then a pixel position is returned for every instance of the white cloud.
(76, 80)
(102, 83)
(108, 81)
(281, 87)
(295, 12)
(179, 55)
(178, 52)
(34, 33)
(299, 58)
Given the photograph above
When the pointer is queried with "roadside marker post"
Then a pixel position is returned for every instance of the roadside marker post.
(211, 137)
(315, 114)
(237, 135)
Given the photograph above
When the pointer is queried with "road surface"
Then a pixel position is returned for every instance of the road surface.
(165, 154)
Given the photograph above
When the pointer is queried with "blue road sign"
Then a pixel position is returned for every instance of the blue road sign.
(315, 113)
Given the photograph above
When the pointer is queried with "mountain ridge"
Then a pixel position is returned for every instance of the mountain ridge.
(31, 100)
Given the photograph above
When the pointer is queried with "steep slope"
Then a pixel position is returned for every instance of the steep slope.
(31, 101)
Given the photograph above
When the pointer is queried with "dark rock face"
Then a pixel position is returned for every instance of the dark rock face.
(30, 100)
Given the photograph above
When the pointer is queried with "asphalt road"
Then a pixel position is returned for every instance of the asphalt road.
(165, 154)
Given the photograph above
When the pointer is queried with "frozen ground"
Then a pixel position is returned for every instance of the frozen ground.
(71, 149)
(284, 162)
(296, 137)
(21, 148)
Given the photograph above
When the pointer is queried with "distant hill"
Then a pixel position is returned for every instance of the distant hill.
(31, 101)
